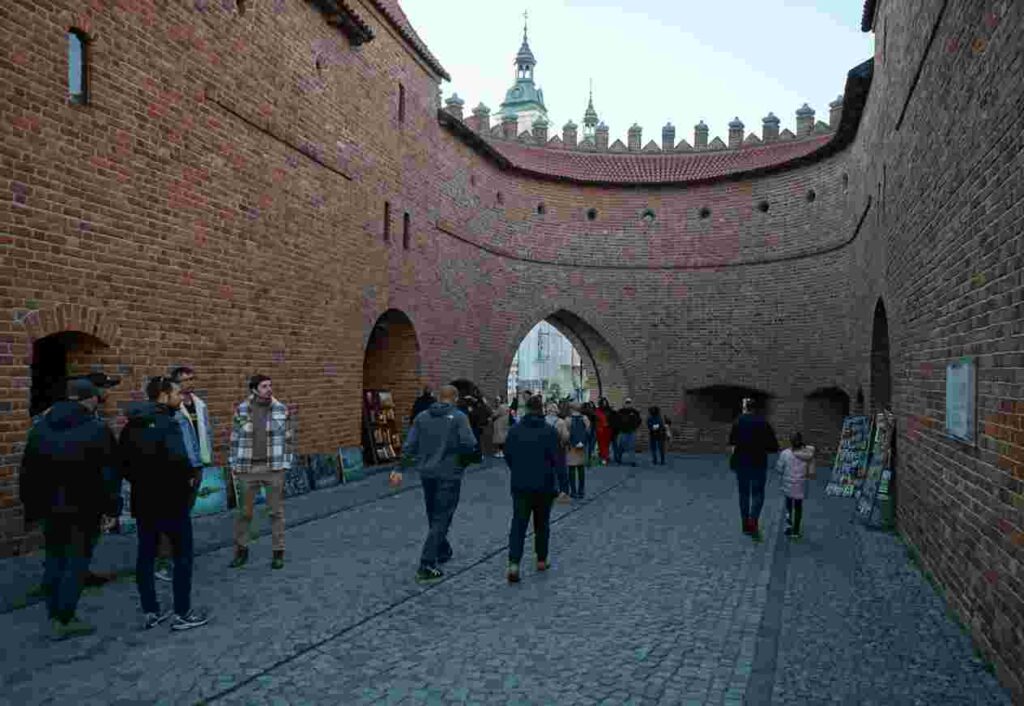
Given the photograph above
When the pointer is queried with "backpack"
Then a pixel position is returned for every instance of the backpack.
(577, 432)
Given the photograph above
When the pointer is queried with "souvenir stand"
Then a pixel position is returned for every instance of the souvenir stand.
(850, 456)
(877, 477)
(382, 440)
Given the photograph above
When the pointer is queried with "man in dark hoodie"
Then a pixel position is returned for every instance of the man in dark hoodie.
(440, 444)
(751, 439)
(69, 480)
(533, 452)
(156, 461)
(422, 403)
(629, 421)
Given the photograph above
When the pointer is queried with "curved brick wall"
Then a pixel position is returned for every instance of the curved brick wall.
(223, 205)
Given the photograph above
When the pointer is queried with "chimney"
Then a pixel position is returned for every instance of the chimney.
(601, 136)
(835, 112)
(634, 138)
(509, 126)
(569, 134)
(540, 130)
(482, 116)
(700, 136)
(735, 133)
(668, 137)
(453, 106)
(770, 127)
(804, 121)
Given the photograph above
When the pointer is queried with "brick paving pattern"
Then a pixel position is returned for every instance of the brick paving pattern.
(654, 597)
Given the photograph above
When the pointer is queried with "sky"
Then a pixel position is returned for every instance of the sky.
(652, 61)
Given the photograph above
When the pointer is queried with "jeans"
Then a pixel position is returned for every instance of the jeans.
(751, 486)
(657, 447)
(247, 485)
(69, 545)
(179, 532)
(441, 498)
(523, 505)
(577, 480)
(625, 442)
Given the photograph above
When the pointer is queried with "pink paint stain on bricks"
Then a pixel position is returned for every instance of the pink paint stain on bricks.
(26, 123)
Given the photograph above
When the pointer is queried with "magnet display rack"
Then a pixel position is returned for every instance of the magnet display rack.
(382, 441)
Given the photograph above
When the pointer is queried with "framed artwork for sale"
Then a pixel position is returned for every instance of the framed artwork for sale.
(961, 401)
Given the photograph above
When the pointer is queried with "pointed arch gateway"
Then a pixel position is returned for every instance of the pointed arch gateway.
(881, 375)
(391, 362)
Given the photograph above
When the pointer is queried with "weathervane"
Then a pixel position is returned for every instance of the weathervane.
(525, 18)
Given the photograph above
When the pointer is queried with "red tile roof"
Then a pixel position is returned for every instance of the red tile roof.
(393, 12)
(652, 168)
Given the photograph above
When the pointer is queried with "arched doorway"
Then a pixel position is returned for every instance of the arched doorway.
(710, 412)
(822, 422)
(881, 380)
(391, 381)
(54, 359)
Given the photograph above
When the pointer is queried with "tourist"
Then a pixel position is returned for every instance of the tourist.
(795, 465)
(657, 426)
(534, 456)
(68, 481)
(576, 456)
(262, 449)
(589, 413)
(501, 424)
(751, 439)
(605, 433)
(422, 403)
(558, 424)
(629, 421)
(438, 445)
(156, 460)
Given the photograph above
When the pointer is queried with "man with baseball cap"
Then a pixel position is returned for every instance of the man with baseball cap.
(68, 481)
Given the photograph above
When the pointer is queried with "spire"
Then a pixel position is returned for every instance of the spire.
(590, 116)
(524, 59)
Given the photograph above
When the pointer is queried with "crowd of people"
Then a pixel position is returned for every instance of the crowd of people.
(73, 467)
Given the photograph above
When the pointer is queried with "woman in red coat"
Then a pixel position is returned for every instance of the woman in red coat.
(604, 428)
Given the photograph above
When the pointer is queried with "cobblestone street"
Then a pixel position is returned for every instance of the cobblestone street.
(654, 597)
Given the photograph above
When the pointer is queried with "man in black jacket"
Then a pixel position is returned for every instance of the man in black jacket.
(156, 462)
(751, 440)
(629, 421)
(69, 480)
(534, 456)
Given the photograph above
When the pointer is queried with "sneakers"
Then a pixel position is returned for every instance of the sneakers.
(513, 573)
(164, 574)
(192, 620)
(278, 561)
(241, 556)
(72, 628)
(152, 619)
(542, 565)
(429, 575)
(755, 533)
(563, 498)
(746, 525)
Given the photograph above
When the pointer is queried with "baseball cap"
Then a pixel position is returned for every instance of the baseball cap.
(98, 379)
(629, 400)
(82, 389)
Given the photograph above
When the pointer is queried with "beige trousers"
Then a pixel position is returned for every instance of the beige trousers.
(246, 487)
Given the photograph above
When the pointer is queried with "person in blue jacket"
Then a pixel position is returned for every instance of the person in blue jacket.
(440, 445)
(534, 456)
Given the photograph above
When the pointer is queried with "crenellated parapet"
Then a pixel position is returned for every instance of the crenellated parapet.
(596, 137)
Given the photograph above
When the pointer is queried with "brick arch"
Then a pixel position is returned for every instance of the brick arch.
(392, 359)
(71, 317)
(880, 395)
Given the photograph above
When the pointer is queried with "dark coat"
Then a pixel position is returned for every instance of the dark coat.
(422, 404)
(534, 455)
(69, 467)
(753, 439)
(659, 421)
(155, 461)
(629, 420)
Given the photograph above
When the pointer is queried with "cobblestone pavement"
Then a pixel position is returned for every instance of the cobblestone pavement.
(654, 597)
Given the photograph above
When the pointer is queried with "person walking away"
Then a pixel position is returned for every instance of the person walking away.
(658, 429)
(262, 449)
(68, 481)
(629, 422)
(605, 434)
(440, 444)
(588, 412)
(796, 466)
(156, 460)
(555, 422)
(533, 454)
(751, 439)
(576, 456)
(423, 402)
(501, 424)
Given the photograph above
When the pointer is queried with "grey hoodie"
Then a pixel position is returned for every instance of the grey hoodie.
(437, 441)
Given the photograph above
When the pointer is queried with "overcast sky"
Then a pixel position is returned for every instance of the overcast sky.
(652, 61)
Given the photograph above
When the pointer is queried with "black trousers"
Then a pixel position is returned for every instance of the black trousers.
(794, 513)
(577, 480)
(524, 505)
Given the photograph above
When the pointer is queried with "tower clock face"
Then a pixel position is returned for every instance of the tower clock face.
(516, 92)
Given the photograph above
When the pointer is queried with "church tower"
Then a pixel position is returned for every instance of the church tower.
(524, 99)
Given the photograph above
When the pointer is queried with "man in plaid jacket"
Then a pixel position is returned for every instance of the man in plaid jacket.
(262, 448)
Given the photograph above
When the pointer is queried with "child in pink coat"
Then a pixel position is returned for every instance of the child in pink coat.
(796, 465)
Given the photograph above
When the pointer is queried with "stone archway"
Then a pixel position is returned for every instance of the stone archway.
(391, 362)
(600, 360)
(881, 376)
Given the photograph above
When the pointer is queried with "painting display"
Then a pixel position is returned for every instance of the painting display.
(850, 456)
(879, 464)
(382, 439)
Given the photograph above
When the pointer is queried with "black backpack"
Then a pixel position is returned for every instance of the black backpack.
(577, 432)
